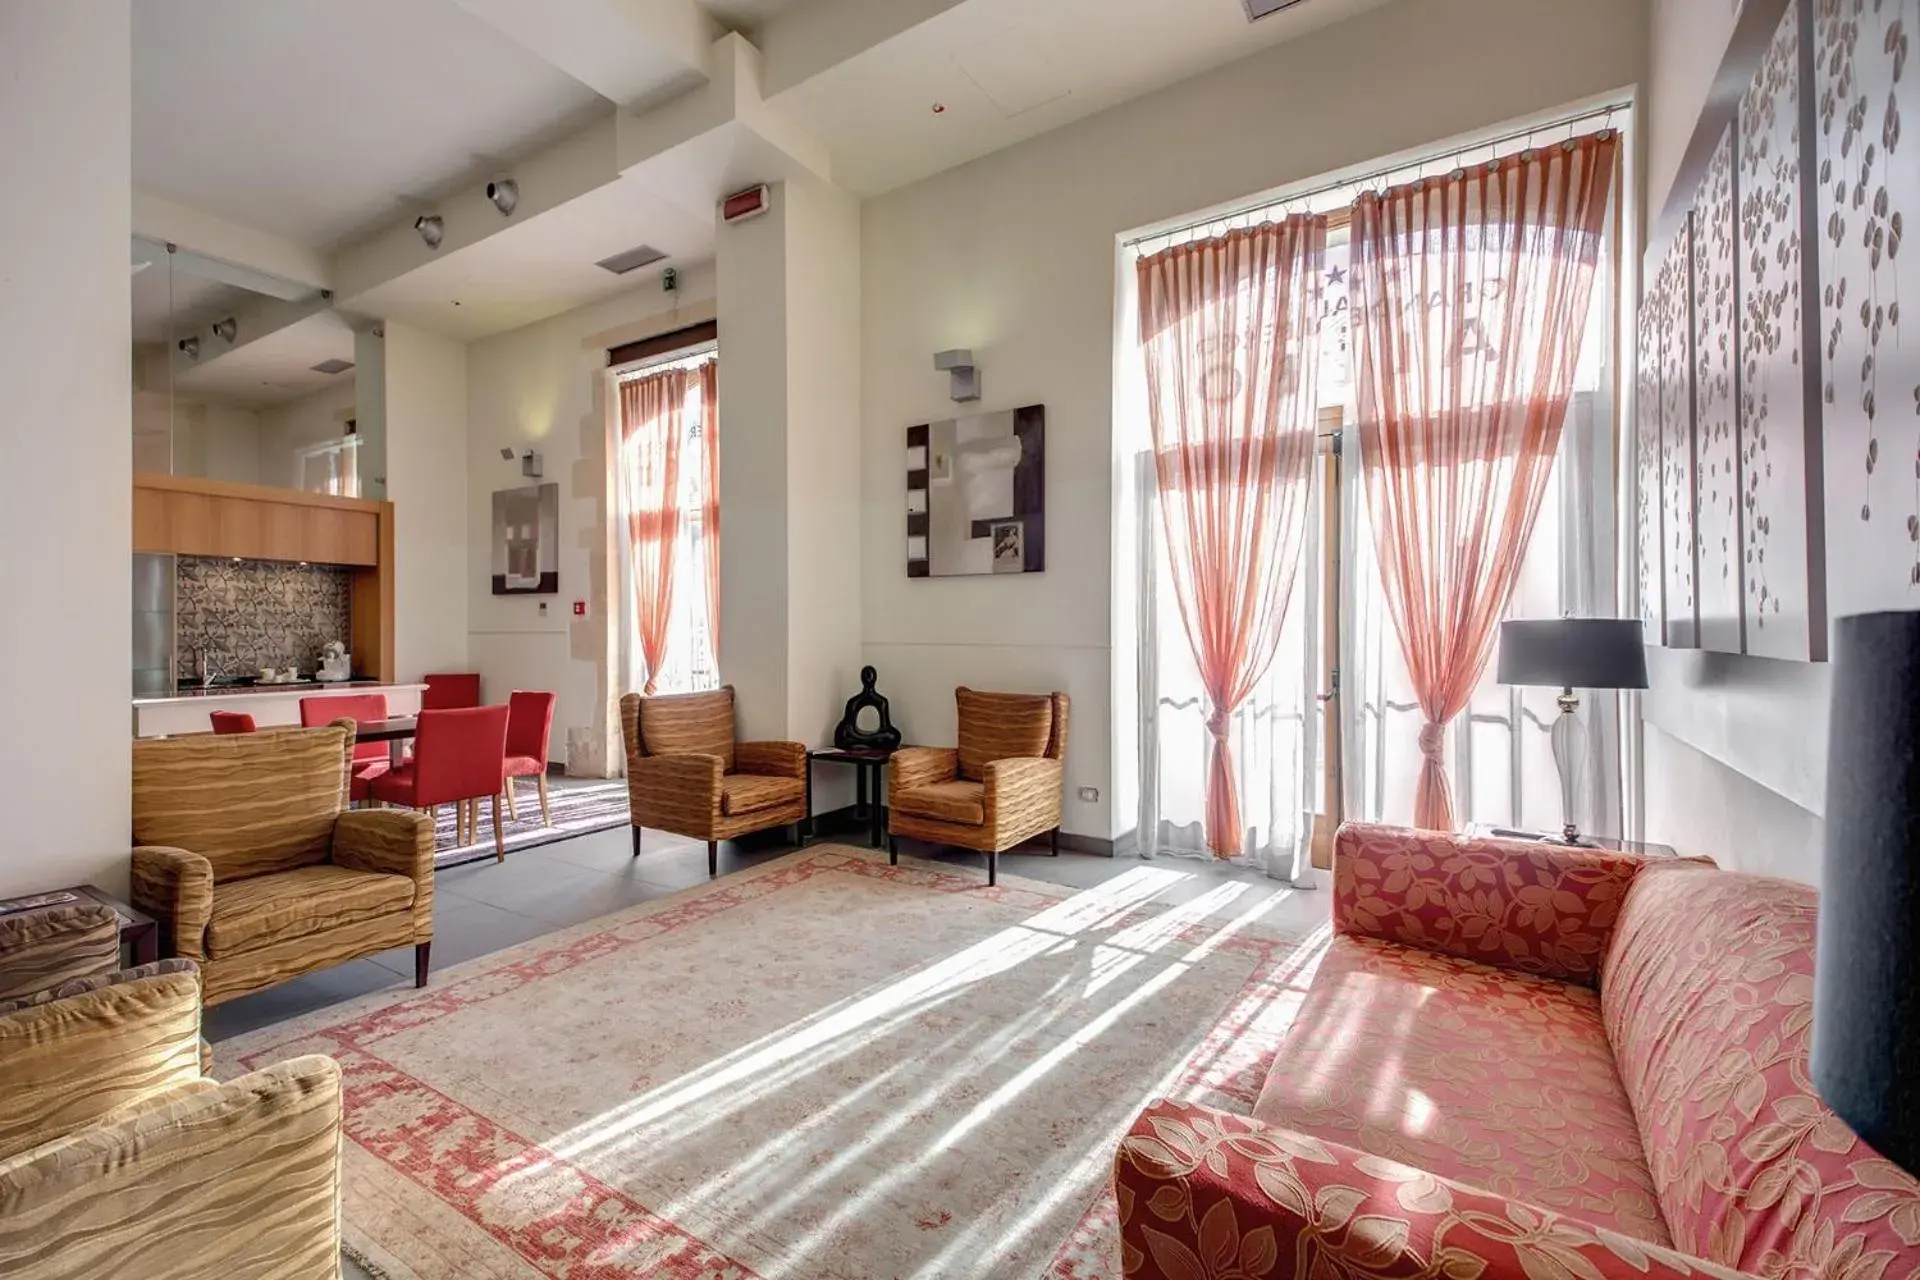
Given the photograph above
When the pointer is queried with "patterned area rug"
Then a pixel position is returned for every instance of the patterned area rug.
(578, 805)
(819, 1067)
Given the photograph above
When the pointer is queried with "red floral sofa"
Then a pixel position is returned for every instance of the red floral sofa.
(1525, 1062)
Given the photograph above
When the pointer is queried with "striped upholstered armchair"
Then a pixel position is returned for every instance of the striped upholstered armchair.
(258, 871)
(687, 775)
(118, 1156)
(1001, 786)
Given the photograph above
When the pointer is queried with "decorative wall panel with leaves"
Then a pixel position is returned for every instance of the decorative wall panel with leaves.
(1679, 544)
(1715, 412)
(1867, 147)
(1779, 413)
(1647, 531)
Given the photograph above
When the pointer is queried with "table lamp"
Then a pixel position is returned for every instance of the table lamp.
(1866, 973)
(1569, 654)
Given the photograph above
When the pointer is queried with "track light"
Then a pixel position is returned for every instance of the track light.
(226, 330)
(431, 229)
(191, 346)
(505, 194)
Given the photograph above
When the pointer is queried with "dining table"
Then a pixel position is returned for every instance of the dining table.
(394, 731)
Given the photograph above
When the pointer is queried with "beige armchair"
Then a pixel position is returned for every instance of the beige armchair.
(687, 775)
(259, 872)
(1002, 785)
(117, 1155)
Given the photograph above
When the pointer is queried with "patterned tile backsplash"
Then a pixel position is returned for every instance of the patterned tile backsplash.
(257, 613)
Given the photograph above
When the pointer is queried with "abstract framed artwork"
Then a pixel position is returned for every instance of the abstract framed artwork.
(526, 540)
(976, 494)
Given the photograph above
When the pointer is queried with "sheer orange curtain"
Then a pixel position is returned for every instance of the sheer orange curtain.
(651, 426)
(1470, 297)
(710, 504)
(1230, 332)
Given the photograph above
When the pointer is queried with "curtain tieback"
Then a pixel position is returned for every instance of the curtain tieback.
(1218, 722)
(1433, 741)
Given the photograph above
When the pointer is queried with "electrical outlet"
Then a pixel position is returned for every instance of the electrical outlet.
(1089, 795)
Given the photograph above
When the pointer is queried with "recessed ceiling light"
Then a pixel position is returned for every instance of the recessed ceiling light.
(505, 194)
(431, 228)
(226, 330)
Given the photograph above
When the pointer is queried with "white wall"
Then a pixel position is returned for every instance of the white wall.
(426, 423)
(543, 388)
(1013, 256)
(65, 494)
(1686, 40)
(285, 429)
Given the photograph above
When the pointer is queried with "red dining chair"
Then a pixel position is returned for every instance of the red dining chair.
(529, 723)
(232, 722)
(459, 757)
(370, 759)
(448, 690)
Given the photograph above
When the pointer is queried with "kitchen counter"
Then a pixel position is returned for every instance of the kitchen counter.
(270, 705)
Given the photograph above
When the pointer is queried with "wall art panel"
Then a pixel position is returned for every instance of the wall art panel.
(1680, 549)
(1867, 93)
(1646, 452)
(1716, 454)
(1782, 503)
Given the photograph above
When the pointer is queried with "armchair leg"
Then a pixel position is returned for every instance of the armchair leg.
(893, 850)
(636, 841)
(1053, 842)
(713, 858)
(421, 961)
(993, 868)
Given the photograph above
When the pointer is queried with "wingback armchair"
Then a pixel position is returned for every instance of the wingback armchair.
(118, 1156)
(686, 773)
(258, 871)
(1002, 785)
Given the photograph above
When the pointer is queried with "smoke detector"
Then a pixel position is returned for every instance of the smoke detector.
(633, 259)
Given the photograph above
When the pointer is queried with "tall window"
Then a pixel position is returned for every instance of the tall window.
(667, 501)
(332, 467)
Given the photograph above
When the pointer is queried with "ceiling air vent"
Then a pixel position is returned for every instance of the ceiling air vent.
(335, 365)
(633, 259)
(1258, 9)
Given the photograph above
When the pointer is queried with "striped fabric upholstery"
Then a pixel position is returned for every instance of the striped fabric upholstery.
(996, 726)
(247, 803)
(66, 1063)
(239, 1181)
(40, 950)
(392, 843)
(261, 910)
(956, 801)
(95, 981)
(744, 793)
(689, 724)
(177, 886)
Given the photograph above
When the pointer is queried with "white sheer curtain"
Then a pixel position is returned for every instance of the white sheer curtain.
(690, 663)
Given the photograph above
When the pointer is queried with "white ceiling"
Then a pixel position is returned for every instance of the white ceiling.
(313, 119)
(1008, 70)
(746, 15)
(273, 369)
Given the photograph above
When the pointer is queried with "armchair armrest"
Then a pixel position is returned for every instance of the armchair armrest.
(1539, 908)
(177, 886)
(40, 950)
(776, 759)
(921, 766)
(395, 842)
(249, 1172)
(675, 792)
(70, 1061)
(1023, 791)
(1204, 1192)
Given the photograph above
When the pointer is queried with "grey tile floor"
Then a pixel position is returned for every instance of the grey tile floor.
(488, 906)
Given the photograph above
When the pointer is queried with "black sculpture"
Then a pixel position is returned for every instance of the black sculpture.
(849, 736)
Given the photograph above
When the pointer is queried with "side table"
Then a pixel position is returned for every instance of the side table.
(139, 932)
(1646, 848)
(867, 764)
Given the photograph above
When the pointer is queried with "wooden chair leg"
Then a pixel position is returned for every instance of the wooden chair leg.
(512, 812)
(1053, 842)
(713, 858)
(421, 963)
(636, 842)
(993, 868)
(546, 810)
(499, 837)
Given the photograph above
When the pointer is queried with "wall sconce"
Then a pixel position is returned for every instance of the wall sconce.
(191, 347)
(505, 194)
(532, 465)
(431, 229)
(226, 330)
(963, 374)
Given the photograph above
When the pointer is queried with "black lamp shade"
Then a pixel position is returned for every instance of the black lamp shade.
(1573, 653)
(1866, 989)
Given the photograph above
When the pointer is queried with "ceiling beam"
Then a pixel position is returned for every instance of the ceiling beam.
(807, 40)
(630, 51)
(212, 236)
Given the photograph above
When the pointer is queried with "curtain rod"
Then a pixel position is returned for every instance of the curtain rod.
(1269, 203)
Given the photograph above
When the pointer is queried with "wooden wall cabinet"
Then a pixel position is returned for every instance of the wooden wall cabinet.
(185, 516)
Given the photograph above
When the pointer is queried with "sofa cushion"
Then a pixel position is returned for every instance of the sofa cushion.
(752, 792)
(39, 950)
(995, 726)
(261, 910)
(1498, 1079)
(689, 724)
(1707, 997)
(960, 802)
